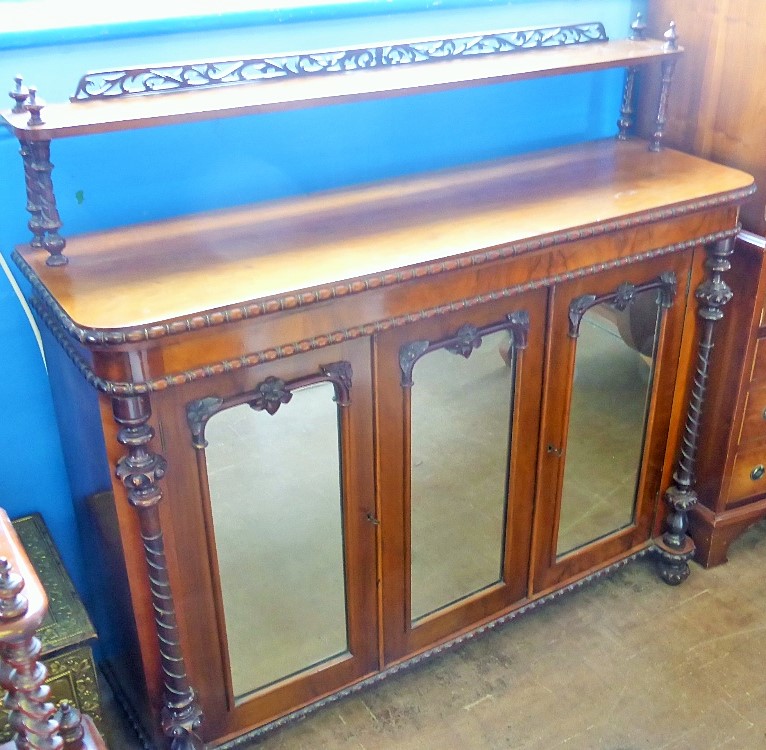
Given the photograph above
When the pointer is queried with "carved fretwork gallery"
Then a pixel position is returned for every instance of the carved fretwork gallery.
(175, 323)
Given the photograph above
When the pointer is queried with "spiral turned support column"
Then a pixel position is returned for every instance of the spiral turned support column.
(140, 471)
(44, 222)
(625, 123)
(668, 68)
(23, 675)
(676, 548)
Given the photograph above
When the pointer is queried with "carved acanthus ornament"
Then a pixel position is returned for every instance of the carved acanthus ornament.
(465, 340)
(621, 298)
(269, 395)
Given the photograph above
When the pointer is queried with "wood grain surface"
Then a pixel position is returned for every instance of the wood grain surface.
(717, 99)
(161, 271)
(82, 118)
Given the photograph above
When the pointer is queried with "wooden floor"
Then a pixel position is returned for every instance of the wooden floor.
(624, 663)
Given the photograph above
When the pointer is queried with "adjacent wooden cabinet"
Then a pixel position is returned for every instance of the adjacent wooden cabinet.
(732, 487)
(716, 114)
(351, 428)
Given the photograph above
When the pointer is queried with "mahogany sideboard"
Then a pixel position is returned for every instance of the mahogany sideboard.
(351, 428)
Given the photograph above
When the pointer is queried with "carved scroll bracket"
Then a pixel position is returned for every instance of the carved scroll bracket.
(269, 395)
(621, 298)
(676, 548)
(465, 340)
(140, 470)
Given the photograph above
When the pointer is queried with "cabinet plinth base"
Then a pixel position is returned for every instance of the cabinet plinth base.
(713, 534)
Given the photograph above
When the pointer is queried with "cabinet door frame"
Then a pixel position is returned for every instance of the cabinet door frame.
(195, 544)
(548, 570)
(402, 639)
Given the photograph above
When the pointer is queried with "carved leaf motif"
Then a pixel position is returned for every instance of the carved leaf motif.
(272, 393)
(624, 296)
(466, 340)
(714, 293)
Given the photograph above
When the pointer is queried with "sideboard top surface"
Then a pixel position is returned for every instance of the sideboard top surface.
(135, 276)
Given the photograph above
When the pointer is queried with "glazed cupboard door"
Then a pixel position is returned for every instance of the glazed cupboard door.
(614, 341)
(457, 412)
(284, 468)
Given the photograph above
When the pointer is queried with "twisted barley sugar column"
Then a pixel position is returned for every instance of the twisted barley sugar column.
(676, 548)
(22, 674)
(140, 471)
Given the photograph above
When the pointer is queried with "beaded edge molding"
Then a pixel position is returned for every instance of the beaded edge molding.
(116, 388)
(401, 667)
(107, 337)
(415, 660)
(162, 79)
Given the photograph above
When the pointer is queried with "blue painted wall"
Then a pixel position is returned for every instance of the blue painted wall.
(116, 179)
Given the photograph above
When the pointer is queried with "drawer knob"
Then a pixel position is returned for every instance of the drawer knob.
(757, 472)
(763, 413)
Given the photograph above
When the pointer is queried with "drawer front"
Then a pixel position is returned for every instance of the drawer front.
(754, 424)
(749, 475)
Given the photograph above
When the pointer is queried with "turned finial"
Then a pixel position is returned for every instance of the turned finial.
(12, 603)
(638, 28)
(671, 37)
(70, 725)
(34, 107)
(19, 95)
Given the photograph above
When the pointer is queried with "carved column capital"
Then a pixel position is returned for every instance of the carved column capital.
(140, 469)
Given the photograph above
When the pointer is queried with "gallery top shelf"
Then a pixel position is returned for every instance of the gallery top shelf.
(126, 99)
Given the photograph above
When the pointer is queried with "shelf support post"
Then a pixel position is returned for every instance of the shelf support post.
(625, 123)
(668, 68)
(41, 201)
(676, 547)
(140, 470)
(44, 222)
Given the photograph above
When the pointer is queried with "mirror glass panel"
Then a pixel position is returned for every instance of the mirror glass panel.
(610, 399)
(460, 428)
(276, 503)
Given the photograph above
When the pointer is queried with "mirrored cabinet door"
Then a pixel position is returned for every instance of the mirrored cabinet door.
(614, 345)
(457, 411)
(284, 466)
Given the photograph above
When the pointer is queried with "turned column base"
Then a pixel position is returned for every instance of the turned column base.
(673, 562)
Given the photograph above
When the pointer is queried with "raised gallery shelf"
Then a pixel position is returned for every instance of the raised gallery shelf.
(309, 90)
